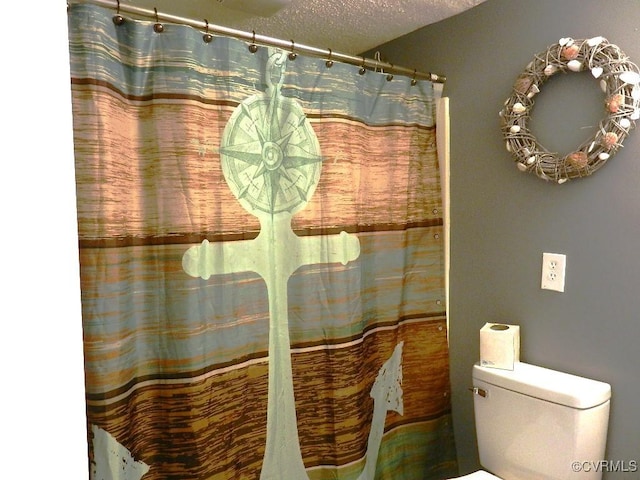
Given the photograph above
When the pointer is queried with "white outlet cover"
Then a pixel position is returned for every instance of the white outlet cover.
(554, 266)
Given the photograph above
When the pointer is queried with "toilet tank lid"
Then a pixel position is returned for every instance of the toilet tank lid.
(550, 385)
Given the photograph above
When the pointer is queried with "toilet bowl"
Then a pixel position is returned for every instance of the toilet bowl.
(532, 423)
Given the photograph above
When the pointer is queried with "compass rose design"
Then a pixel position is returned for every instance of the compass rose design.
(269, 152)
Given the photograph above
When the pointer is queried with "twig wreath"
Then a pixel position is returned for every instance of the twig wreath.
(620, 82)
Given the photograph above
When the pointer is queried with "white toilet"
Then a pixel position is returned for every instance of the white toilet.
(533, 423)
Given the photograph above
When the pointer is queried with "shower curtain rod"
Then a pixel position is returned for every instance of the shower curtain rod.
(268, 41)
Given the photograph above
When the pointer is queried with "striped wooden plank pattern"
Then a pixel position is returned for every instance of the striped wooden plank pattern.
(177, 367)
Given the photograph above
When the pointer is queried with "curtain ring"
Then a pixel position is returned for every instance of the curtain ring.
(117, 18)
(292, 55)
(362, 70)
(414, 82)
(329, 62)
(207, 37)
(253, 48)
(157, 27)
(390, 75)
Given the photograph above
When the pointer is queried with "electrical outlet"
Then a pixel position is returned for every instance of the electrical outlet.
(554, 266)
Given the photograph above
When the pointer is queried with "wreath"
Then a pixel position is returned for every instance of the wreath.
(620, 82)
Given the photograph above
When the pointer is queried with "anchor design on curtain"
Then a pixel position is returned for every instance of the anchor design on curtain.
(271, 161)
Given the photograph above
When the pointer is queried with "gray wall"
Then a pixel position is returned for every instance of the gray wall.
(503, 220)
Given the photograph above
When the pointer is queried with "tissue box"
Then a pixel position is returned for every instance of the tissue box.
(499, 345)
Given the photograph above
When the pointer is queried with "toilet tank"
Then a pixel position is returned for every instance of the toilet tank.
(533, 423)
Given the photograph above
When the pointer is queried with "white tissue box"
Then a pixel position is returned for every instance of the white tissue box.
(499, 345)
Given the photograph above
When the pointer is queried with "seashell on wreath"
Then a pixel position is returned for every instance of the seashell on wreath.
(620, 81)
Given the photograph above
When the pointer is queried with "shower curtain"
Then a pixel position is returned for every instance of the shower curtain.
(261, 258)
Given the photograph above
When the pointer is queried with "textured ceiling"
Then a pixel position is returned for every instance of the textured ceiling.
(346, 26)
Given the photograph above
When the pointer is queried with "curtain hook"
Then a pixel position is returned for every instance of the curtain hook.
(253, 48)
(414, 82)
(362, 70)
(292, 55)
(207, 37)
(329, 62)
(117, 18)
(377, 59)
(157, 27)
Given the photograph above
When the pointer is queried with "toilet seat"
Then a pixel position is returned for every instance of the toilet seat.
(479, 475)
